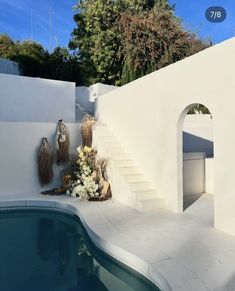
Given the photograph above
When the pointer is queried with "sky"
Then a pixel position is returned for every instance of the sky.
(30, 19)
(192, 12)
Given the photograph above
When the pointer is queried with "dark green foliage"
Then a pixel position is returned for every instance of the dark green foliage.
(152, 40)
(199, 108)
(7, 47)
(118, 41)
(35, 61)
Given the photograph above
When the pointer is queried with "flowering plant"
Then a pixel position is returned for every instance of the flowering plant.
(86, 177)
(85, 181)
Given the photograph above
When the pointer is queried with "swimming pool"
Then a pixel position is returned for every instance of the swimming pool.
(42, 250)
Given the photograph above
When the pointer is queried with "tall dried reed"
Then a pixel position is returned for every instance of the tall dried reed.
(62, 142)
(45, 162)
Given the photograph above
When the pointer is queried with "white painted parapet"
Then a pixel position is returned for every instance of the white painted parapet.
(25, 99)
(100, 89)
(9, 67)
(86, 96)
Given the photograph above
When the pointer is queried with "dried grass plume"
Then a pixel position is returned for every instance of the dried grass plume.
(62, 142)
(86, 130)
(45, 162)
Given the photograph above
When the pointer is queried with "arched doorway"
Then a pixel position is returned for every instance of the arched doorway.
(195, 155)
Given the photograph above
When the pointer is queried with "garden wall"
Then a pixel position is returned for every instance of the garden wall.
(83, 103)
(148, 114)
(25, 99)
(85, 98)
(18, 153)
(9, 67)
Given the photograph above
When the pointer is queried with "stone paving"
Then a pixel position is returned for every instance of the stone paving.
(184, 248)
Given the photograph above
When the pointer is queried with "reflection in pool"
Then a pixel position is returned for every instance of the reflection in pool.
(50, 251)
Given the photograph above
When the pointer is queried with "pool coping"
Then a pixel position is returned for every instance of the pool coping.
(74, 206)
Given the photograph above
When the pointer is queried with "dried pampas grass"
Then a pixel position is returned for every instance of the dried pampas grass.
(62, 142)
(45, 162)
(86, 130)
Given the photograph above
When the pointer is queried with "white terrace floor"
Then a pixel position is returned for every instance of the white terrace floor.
(184, 248)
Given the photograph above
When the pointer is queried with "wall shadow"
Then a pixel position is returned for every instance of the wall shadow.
(193, 143)
(190, 199)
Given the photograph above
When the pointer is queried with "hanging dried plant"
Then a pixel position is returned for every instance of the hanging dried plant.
(45, 162)
(86, 130)
(62, 142)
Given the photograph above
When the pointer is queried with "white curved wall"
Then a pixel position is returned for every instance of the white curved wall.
(148, 115)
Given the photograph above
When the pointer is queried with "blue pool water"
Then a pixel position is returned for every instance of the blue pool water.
(50, 251)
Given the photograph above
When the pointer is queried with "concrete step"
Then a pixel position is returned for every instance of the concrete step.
(102, 129)
(124, 163)
(129, 170)
(139, 186)
(107, 139)
(144, 195)
(103, 132)
(130, 178)
(151, 204)
(116, 150)
(111, 144)
(105, 135)
(122, 156)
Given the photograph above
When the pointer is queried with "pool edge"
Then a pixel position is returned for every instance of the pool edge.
(108, 247)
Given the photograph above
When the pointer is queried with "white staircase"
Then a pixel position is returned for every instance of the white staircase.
(129, 185)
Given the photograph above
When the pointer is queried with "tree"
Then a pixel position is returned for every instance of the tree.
(199, 109)
(96, 40)
(115, 40)
(31, 57)
(7, 47)
(35, 61)
(28, 54)
(152, 40)
(61, 65)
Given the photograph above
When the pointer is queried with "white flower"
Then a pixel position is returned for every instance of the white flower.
(63, 138)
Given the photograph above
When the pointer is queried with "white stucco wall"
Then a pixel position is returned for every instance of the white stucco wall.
(83, 103)
(209, 176)
(25, 99)
(148, 116)
(198, 174)
(85, 98)
(193, 173)
(9, 67)
(100, 89)
(18, 153)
